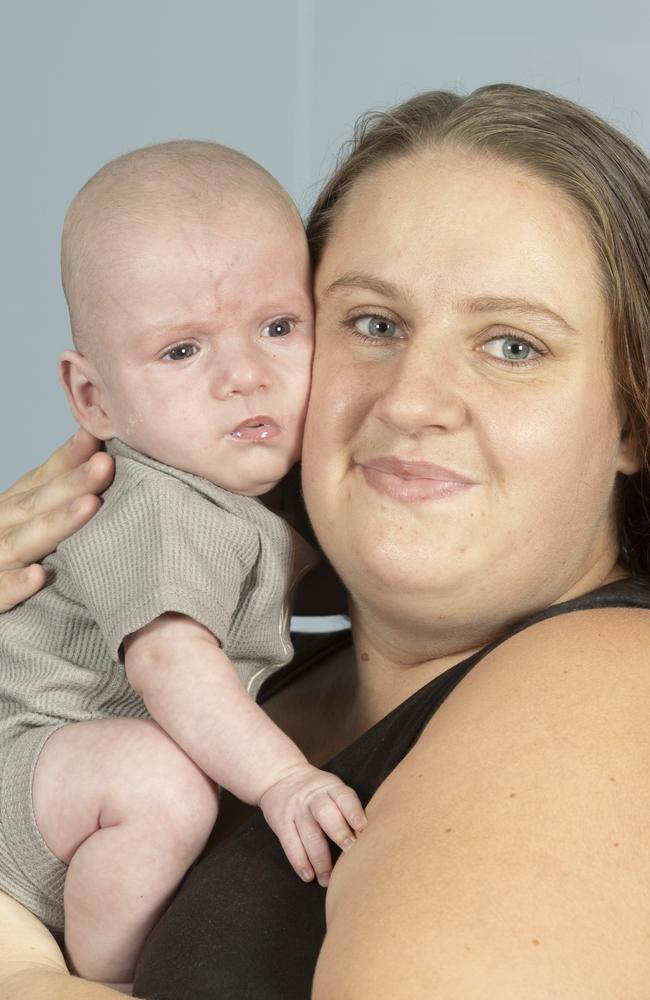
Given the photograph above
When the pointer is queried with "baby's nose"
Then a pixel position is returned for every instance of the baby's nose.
(239, 372)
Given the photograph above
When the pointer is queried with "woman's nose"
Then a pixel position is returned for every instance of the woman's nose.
(239, 371)
(423, 389)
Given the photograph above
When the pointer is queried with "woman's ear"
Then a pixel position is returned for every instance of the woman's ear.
(630, 454)
(84, 389)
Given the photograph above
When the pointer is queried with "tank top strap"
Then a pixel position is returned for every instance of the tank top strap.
(370, 759)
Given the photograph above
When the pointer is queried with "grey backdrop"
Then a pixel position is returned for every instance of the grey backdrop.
(283, 80)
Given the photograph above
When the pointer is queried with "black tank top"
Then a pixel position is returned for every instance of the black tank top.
(243, 926)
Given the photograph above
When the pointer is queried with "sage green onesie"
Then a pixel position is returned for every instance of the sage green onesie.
(163, 541)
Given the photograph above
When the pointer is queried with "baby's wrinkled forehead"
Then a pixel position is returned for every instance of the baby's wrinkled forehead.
(161, 193)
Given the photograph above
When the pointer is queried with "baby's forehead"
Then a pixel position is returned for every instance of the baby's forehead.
(178, 197)
(162, 214)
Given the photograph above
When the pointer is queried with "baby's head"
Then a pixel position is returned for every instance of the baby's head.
(186, 272)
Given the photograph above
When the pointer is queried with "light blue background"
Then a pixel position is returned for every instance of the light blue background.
(85, 80)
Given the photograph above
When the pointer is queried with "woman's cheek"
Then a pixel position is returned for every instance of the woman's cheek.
(327, 445)
(329, 401)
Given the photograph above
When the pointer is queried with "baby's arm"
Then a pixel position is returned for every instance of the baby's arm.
(192, 690)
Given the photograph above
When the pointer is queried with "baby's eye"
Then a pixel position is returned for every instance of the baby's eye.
(180, 352)
(377, 327)
(278, 328)
(511, 349)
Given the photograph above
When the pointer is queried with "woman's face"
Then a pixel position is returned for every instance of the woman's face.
(463, 435)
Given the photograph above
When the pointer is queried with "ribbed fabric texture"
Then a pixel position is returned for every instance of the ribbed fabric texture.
(163, 541)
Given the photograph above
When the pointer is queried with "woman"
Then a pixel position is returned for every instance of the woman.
(474, 466)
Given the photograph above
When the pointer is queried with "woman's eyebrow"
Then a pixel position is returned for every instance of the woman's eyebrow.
(479, 304)
(368, 282)
(523, 307)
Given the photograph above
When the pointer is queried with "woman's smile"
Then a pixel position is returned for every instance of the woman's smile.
(412, 481)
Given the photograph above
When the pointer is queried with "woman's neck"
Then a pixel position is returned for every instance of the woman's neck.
(395, 659)
(390, 668)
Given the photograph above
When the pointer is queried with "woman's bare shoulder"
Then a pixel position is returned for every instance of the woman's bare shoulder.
(508, 855)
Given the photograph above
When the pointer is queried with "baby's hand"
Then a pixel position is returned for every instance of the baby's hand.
(301, 808)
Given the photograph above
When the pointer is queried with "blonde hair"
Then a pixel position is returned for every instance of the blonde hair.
(604, 174)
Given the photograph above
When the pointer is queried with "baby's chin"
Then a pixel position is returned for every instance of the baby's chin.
(247, 477)
(251, 486)
(261, 490)
(245, 487)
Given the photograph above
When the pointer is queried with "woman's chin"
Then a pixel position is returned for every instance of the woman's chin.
(412, 575)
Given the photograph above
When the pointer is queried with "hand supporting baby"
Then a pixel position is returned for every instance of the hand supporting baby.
(43, 508)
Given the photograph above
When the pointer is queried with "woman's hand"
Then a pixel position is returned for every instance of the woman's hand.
(47, 505)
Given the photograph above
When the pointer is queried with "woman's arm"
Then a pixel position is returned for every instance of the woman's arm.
(44, 507)
(507, 856)
(31, 964)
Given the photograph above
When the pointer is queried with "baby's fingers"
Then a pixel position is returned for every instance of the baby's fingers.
(292, 846)
(348, 802)
(332, 821)
(316, 846)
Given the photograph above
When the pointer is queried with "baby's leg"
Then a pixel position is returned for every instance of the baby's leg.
(128, 810)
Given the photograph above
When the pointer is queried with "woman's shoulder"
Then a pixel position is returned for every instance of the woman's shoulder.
(507, 854)
(577, 666)
(600, 650)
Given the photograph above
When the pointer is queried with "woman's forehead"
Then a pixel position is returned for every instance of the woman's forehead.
(453, 193)
(466, 225)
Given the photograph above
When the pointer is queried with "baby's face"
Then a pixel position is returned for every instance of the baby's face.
(205, 343)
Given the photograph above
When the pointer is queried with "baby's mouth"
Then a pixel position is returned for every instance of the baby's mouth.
(256, 429)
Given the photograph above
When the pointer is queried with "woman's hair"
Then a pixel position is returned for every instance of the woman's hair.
(603, 173)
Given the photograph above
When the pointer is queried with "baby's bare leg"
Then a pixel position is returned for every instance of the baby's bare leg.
(128, 810)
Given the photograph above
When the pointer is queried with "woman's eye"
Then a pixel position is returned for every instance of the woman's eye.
(180, 352)
(278, 328)
(512, 349)
(377, 327)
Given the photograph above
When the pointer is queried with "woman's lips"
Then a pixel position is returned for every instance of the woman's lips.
(412, 482)
(257, 428)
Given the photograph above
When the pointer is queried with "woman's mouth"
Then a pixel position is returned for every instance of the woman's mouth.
(412, 482)
(256, 429)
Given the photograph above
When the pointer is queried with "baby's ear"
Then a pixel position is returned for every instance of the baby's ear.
(85, 391)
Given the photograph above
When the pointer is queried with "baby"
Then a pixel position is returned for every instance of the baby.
(127, 685)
